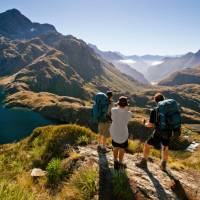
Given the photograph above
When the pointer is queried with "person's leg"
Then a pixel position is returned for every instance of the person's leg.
(121, 154)
(115, 153)
(152, 140)
(106, 133)
(165, 150)
(164, 156)
(146, 151)
(103, 141)
(100, 133)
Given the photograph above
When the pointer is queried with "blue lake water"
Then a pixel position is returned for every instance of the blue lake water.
(17, 123)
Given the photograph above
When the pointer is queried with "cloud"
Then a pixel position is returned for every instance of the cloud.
(156, 62)
(128, 61)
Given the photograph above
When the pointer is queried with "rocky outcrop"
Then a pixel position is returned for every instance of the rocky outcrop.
(144, 184)
(62, 108)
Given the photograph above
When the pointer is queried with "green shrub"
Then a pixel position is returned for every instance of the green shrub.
(10, 191)
(83, 140)
(121, 187)
(85, 180)
(55, 172)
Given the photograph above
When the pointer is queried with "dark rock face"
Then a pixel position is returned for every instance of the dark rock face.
(14, 25)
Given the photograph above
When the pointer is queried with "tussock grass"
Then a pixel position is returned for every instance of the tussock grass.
(9, 191)
(121, 187)
(85, 181)
(55, 172)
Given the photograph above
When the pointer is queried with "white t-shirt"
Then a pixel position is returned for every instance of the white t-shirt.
(119, 127)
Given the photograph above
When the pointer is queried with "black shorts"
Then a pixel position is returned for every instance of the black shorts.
(159, 137)
(122, 145)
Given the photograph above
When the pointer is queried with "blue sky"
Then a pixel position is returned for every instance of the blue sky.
(164, 27)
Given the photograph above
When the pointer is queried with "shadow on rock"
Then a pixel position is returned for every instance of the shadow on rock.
(176, 187)
(159, 189)
(113, 184)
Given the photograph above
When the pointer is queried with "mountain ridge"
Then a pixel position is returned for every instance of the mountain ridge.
(185, 76)
(171, 65)
(14, 25)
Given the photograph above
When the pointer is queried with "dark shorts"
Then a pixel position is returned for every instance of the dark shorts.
(122, 145)
(159, 137)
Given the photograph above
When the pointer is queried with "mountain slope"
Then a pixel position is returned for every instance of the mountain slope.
(14, 25)
(128, 70)
(48, 73)
(108, 55)
(90, 65)
(170, 65)
(185, 76)
(116, 58)
(14, 55)
(55, 63)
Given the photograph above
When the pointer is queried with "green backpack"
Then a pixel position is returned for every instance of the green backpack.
(169, 117)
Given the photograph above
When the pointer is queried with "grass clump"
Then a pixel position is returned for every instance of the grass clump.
(55, 171)
(85, 181)
(83, 140)
(10, 191)
(121, 187)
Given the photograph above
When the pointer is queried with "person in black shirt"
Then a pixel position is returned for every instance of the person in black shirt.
(156, 138)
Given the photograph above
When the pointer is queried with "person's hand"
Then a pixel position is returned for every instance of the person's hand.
(149, 125)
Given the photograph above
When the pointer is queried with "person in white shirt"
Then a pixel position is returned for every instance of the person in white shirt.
(119, 130)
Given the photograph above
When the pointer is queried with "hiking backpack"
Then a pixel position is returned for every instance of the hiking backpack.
(100, 107)
(169, 117)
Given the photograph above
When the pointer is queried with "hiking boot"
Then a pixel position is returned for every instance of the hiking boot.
(116, 165)
(163, 166)
(142, 164)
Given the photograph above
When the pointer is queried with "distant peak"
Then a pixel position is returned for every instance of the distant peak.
(198, 52)
(14, 11)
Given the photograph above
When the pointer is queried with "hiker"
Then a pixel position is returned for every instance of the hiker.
(164, 126)
(102, 113)
(119, 131)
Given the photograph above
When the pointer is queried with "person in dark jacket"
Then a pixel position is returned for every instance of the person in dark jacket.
(156, 138)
